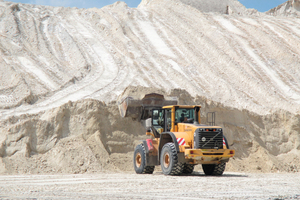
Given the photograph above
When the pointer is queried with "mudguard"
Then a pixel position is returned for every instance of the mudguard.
(226, 143)
(168, 137)
(150, 159)
(148, 145)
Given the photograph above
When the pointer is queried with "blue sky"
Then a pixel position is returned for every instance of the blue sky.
(260, 5)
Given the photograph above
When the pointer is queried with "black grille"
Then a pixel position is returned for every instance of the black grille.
(208, 139)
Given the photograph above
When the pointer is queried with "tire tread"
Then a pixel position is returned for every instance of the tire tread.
(146, 169)
(214, 169)
(177, 168)
(188, 169)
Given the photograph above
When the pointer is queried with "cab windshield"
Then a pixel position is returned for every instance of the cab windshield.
(184, 115)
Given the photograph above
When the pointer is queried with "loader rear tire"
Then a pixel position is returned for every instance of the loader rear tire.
(188, 169)
(214, 170)
(139, 161)
(169, 160)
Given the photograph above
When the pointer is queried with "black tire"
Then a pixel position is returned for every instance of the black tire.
(214, 170)
(139, 161)
(169, 160)
(188, 169)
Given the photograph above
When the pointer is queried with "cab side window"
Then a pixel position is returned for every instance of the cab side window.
(183, 115)
(169, 119)
(158, 120)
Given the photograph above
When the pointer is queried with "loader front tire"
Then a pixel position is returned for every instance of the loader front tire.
(214, 170)
(139, 161)
(169, 160)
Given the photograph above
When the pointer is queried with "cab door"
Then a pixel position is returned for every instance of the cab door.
(168, 120)
(158, 120)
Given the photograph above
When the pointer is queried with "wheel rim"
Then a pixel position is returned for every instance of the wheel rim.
(138, 160)
(166, 160)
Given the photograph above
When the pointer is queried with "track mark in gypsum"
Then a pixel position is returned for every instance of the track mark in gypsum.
(208, 45)
(75, 92)
(238, 45)
(54, 71)
(185, 54)
(273, 73)
(122, 80)
(251, 43)
(159, 25)
(136, 49)
(163, 28)
(104, 42)
(125, 74)
(283, 44)
(27, 46)
(114, 73)
(281, 40)
(144, 61)
(188, 79)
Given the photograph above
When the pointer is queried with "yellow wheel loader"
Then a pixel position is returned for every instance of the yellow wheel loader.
(179, 140)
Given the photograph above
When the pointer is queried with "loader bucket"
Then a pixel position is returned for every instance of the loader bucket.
(141, 108)
(130, 107)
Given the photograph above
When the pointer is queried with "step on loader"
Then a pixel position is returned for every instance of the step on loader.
(179, 140)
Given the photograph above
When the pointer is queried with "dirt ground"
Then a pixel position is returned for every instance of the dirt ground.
(231, 185)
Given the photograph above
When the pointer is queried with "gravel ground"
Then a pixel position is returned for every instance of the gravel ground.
(157, 186)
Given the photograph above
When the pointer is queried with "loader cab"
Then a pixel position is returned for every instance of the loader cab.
(167, 118)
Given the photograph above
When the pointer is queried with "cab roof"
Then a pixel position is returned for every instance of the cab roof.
(181, 106)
